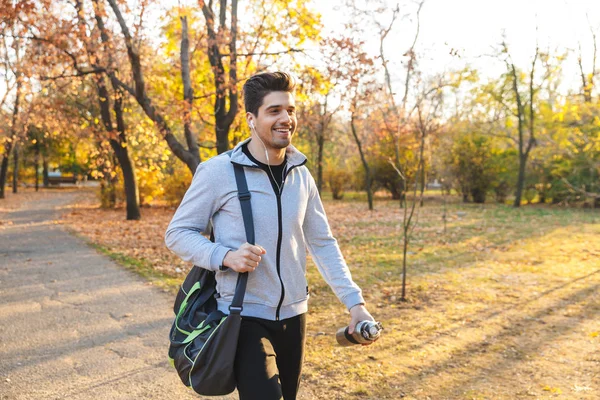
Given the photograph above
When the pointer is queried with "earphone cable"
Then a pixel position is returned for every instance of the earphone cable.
(269, 162)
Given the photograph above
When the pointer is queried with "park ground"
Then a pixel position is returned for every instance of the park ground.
(501, 303)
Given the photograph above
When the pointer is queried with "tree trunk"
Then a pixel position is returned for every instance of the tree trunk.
(4, 171)
(37, 166)
(45, 180)
(121, 150)
(320, 144)
(525, 146)
(13, 137)
(368, 179)
(127, 167)
(129, 180)
(15, 177)
(422, 166)
(402, 195)
(404, 254)
(119, 143)
(226, 91)
(423, 184)
(520, 180)
(188, 90)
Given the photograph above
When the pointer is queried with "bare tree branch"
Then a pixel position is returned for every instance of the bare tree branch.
(583, 192)
(79, 74)
(275, 53)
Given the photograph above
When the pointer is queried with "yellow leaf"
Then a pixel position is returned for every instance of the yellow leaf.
(552, 390)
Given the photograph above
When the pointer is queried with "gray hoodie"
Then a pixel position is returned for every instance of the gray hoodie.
(284, 225)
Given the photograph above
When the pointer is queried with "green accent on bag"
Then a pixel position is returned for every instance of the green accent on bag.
(207, 341)
(183, 307)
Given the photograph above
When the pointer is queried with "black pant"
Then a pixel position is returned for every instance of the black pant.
(269, 358)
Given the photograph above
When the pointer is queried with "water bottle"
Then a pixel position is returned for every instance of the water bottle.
(365, 332)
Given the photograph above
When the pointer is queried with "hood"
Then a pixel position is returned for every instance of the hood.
(294, 156)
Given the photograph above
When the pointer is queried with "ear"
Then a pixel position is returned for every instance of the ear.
(250, 120)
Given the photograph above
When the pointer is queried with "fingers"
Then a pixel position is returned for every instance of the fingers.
(252, 257)
(254, 249)
(352, 325)
(245, 266)
(247, 258)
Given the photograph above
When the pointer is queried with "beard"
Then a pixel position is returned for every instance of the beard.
(278, 142)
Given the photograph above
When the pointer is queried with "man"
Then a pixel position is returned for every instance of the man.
(288, 217)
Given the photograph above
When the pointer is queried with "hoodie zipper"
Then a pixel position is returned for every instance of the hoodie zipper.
(280, 237)
(280, 230)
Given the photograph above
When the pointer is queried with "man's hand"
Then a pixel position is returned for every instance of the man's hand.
(358, 313)
(244, 259)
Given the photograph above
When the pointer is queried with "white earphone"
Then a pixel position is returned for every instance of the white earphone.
(263, 143)
(251, 123)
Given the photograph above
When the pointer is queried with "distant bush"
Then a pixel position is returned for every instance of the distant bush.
(503, 174)
(471, 161)
(478, 166)
(337, 180)
(386, 177)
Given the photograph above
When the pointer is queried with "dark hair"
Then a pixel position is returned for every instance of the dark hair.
(260, 85)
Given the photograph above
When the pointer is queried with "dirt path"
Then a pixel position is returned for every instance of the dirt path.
(73, 324)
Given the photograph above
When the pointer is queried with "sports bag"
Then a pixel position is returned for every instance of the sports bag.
(203, 340)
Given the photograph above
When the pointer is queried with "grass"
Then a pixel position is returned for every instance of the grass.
(503, 304)
(143, 268)
(493, 266)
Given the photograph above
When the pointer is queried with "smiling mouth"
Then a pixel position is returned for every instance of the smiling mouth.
(283, 130)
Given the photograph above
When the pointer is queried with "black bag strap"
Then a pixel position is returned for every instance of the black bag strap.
(244, 197)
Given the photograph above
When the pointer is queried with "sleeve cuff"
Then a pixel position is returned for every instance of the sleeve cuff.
(217, 257)
(353, 299)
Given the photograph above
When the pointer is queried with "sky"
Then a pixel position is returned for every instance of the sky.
(472, 27)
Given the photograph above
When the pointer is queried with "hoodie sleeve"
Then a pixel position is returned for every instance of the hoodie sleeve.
(326, 253)
(192, 218)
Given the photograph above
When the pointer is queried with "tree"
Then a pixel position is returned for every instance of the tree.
(190, 156)
(470, 160)
(316, 111)
(321, 95)
(574, 169)
(525, 123)
(587, 80)
(221, 42)
(67, 42)
(116, 132)
(429, 103)
(359, 72)
(398, 117)
(14, 56)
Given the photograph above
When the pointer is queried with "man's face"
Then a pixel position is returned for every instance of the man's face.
(276, 120)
